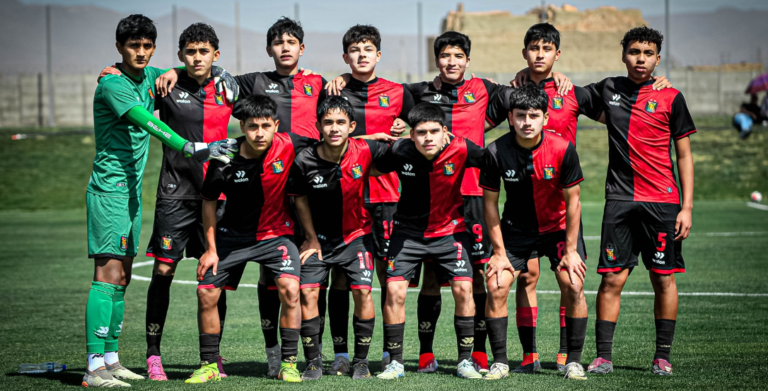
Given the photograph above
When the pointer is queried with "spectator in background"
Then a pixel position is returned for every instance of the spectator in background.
(749, 114)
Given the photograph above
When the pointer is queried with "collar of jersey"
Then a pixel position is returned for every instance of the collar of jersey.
(354, 83)
(448, 86)
(189, 84)
(521, 148)
(545, 81)
(119, 67)
(636, 86)
(242, 160)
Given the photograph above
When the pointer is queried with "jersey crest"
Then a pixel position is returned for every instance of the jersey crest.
(651, 106)
(610, 254)
(449, 169)
(549, 172)
(219, 100)
(357, 172)
(383, 101)
(277, 167)
(167, 243)
(469, 97)
(307, 90)
(557, 102)
(151, 93)
(123, 242)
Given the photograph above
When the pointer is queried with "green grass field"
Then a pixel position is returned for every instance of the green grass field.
(720, 343)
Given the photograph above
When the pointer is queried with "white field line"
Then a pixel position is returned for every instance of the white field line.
(757, 206)
(704, 234)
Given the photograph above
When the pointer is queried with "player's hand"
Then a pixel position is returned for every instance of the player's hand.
(222, 150)
(683, 224)
(335, 86)
(307, 72)
(496, 265)
(562, 82)
(207, 261)
(225, 84)
(398, 127)
(382, 137)
(110, 70)
(165, 83)
(309, 247)
(572, 263)
(520, 78)
(661, 82)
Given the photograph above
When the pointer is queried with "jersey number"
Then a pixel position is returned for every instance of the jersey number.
(365, 260)
(459, 249)
(477, 229)
(662, 241)
(387, 229)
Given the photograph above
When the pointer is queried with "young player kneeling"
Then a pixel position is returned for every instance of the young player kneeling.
(541, 175)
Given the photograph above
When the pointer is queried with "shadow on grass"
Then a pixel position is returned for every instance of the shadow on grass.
(71, 377)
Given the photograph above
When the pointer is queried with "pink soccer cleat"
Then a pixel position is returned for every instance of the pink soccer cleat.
(155, 369)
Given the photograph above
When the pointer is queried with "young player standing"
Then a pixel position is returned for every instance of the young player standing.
(542, 213)
(429, 224)
(643, 213)
(256, 226)
(123, 121)
(329, 181)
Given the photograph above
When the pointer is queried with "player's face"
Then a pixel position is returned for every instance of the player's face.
(198, 58)
(285, 51)
(362, 57)
(336, 127)
(541, 56)
(429, 138)
(136, 52)
(259, 132)
(641, 58)
(528, 123)
(452, 63)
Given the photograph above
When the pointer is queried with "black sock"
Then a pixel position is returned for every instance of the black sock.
(363, 336)
(310, 332)
(158, 297)
(222, 306)
(209, 348)
(393, 340)
(339, 316)
(497, 336)
(576, 328)
(563, 335)
(526, 327)
(481, 330)
(322, 304)
(289, 348)
(427, 314)
(604, 339)
(269, 309)
(465, 335)
(665, 333)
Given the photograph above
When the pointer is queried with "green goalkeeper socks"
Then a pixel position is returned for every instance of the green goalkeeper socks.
(98, 313)
(116, 320)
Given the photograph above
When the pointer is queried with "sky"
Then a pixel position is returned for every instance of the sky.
(390, 16)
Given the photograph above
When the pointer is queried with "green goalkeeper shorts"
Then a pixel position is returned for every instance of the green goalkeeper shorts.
(114, 226)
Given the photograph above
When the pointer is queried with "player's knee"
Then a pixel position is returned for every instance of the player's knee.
(290, 293)
(361, 295)
(209, 298)
(573, 291)
(309, 296)
(164, 269)
(663, 283)
(462, 289)
(497, 296)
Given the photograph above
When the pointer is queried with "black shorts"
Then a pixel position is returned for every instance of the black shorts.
(178, 228)
(382, 214)
(474, 217)
(521, 248)
(448, 253)
(632, 228)
(355, 259)
(279, 256)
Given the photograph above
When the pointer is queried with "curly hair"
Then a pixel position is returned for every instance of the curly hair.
(361, 33)
(642, 34)
(285, 26)
(199, 32)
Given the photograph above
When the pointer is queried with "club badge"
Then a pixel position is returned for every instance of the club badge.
(123, 242)
(449, 169)
(219, 100)
(469, 97)
(609, 253)
(549, 172)
(651, 106)
(277, 167)
(307, 90)
(151, 93)
(383, 101)
(167, 243)
(357, 172)
(557, 102)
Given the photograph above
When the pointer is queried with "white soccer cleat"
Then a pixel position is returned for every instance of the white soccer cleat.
(466, 370)
(394, 370)
(574, 371)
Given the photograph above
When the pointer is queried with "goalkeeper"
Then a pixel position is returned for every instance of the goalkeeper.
(123, 121)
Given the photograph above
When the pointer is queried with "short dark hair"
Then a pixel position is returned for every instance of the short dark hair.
(426, 112)
(527, 97)
(642, 34)
(257, 106)
(285, 26)
(361, 33)
(199, 32)
(542, 32)
(335, 102)
(135, 26)
(452, 38)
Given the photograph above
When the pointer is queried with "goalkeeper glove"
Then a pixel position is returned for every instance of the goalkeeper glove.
(225, 84)
(222, 150)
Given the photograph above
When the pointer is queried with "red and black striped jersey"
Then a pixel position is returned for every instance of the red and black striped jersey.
(257, 203)
(335, 190)
(377, 104)
(642, 124)
(534, 180)
(465, 105)
(296, 97)
(431, 204)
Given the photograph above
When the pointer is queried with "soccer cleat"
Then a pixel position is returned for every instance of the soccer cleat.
(273, 361)
(339, 367)
(314, 370)
(466, 370)
(101, 378)
(661, 367)
(427, 363)
(394, 370)
(122, 373)
(574, 371)
(155, 369)
(289, 372)
(220, 366)
(360, 371)
(600, 366)
(530, 364)
(480, 360)
(561, 358)
(385, 358)
(207, 372)
(498, 371)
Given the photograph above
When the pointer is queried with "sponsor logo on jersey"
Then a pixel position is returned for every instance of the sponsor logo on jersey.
(183, 95)
(277, 167)
(651, 106)
(557, 102)
(319, 182)
(307, 90)
(357, 172)
(469, 97)
(510, 176)
(460, 266)
(610, 253)
(658, 258)
(549, 172)
(437, 98)
(615, 100)
(273, 88)
(407, 168)
(449, 169)
(123, 242)
(151, 93)
(240, 177)
(102, 332)
(166, 243)
(383, 101)
(477, 246)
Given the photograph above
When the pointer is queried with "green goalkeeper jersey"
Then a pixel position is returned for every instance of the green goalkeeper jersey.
(121, 146)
